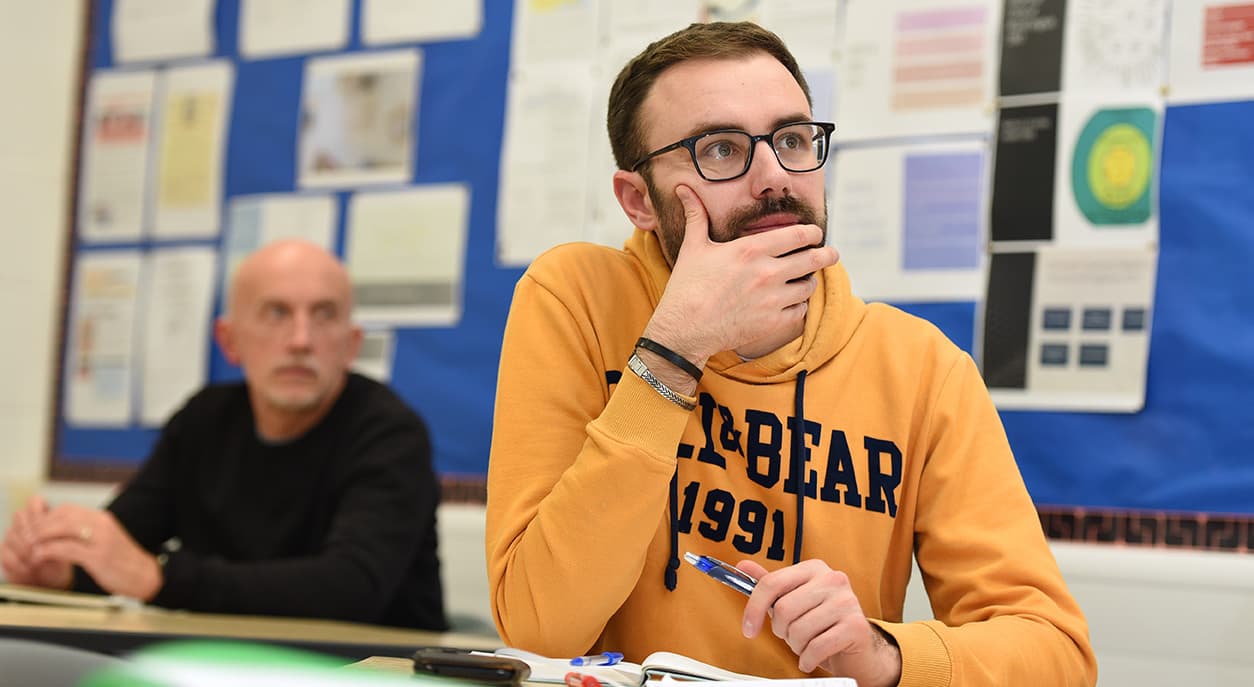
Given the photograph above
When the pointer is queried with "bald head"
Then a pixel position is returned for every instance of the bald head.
(288, 325)
(288, 259)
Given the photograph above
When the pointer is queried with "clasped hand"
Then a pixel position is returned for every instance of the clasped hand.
(44, 544)
(731, 295)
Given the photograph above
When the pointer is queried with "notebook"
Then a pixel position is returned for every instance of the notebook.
(658, 668)
(55, 597)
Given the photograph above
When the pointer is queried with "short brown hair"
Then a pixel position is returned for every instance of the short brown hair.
(717, 40)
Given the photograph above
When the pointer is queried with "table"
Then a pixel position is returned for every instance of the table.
(118, 631)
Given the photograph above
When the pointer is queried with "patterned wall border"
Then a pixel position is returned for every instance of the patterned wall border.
(1172, 530)
(1233, 533)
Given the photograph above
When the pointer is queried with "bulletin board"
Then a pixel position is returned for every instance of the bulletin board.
(1178, 471)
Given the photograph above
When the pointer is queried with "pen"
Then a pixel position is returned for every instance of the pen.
(605, 658)
(727, 574)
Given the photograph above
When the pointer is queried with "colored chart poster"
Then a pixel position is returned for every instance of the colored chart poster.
(1107, 174)
(916, 68)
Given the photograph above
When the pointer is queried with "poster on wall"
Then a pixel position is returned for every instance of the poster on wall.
(544, 193)
(253, 221)
(358, 119)
(1212, 51)
(908, 219)
(100, 348)
(191, 153)
(923, 67)
(116, 130)
(151, 30)
(271, 28)
(406, 21)
(175, 324)
(1115, 47)
(406, 253)
(1068, 329)
(1106, 179)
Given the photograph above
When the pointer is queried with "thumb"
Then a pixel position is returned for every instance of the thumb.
(696, 222)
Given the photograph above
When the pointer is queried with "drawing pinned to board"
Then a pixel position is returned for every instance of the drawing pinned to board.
(357, 119)
(1106, 172)
(1112, 166)
(1115, 46)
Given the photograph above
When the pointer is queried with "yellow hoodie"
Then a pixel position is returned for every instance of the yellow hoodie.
(904, 453)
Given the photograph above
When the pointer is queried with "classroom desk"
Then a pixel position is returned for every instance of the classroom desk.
(118, 631)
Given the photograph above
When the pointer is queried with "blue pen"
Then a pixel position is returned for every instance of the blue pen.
(727, 574)
(605, 658)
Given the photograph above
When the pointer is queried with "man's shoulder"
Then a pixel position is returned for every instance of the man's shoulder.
(216, 399)
(580, 261)
(364, 398)
(908, 329)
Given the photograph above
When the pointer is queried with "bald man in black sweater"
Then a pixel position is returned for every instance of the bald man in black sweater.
(304, 491)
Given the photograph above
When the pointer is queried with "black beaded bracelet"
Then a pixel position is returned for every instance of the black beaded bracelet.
(671, 356)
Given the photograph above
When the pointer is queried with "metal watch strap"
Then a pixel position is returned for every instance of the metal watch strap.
(642, 371)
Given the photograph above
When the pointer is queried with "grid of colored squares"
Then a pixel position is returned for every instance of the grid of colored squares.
(1092, 319)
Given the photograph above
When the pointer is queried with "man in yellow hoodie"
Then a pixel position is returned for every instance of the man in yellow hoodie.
(716, 388)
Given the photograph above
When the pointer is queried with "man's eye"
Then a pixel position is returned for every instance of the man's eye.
(790, 142)
(720, 150)
(324, 313)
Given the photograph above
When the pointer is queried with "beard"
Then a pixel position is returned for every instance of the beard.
(672, 223)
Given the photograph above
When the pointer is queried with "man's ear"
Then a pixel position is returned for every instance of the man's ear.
(225, 336)
(633, 197)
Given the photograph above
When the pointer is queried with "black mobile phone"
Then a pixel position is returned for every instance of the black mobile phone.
(469, 665)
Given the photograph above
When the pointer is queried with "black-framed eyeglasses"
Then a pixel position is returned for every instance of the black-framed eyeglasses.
(725, 154)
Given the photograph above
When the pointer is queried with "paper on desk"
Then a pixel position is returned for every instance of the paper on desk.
(54, 597)
(799, 682)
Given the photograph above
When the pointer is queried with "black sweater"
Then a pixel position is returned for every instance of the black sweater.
(339, 523)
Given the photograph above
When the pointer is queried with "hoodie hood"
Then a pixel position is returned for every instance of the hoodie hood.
(833, 317)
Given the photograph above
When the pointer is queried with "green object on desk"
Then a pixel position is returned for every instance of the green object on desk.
(192, 663)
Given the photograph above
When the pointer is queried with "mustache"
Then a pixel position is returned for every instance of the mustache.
(791, 205)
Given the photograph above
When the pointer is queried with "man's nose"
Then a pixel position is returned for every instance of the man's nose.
(766, 175)
(300, 336)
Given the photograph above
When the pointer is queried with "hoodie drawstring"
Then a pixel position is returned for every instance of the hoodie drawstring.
(799, 462)
(671, 575)
(672, 563)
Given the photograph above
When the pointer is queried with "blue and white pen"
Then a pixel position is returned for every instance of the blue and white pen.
(605, 658)
(727, 574)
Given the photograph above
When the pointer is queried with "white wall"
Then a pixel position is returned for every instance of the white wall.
(1157, 617)
(40, 56)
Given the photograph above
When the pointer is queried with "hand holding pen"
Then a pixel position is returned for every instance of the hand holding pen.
(727, 574)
